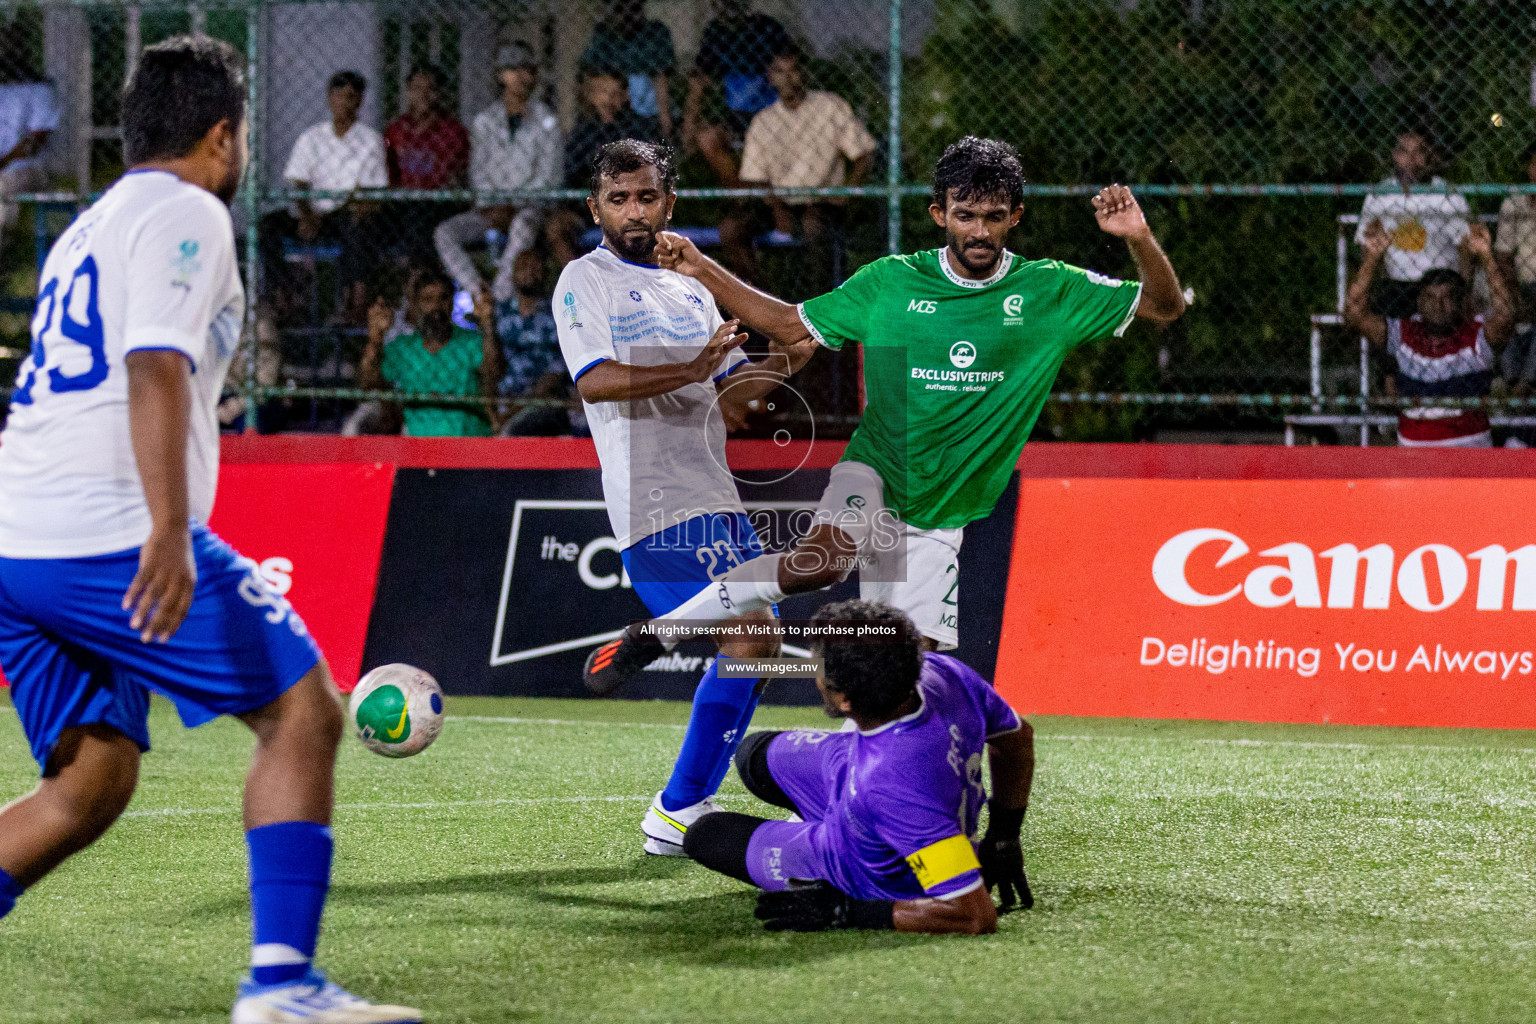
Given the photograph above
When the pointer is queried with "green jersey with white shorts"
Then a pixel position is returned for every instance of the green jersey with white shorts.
(956, 372)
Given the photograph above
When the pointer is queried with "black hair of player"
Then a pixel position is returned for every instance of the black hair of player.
(628, 155)
(348, 80)
(878, 674)
(437, 276)
(179, 90)
(976, 168)
(1446, 276)
(438, 75)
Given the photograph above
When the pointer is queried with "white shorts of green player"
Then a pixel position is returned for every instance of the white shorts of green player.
(914, 570)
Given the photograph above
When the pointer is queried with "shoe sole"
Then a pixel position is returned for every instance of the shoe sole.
(661, 848)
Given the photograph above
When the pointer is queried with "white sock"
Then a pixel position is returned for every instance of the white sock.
(751, 586)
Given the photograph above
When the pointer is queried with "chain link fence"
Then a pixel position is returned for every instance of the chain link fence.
(393, 142)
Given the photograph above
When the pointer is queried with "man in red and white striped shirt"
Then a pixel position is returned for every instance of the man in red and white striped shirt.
(1440, 351)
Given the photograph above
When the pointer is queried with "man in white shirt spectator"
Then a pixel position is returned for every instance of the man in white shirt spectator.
(1424, 229)
(514, 144)
(804, 139)
(29, 114)
(338, 155)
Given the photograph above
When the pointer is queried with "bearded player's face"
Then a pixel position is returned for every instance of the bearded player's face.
(631, 207)
(976, 230)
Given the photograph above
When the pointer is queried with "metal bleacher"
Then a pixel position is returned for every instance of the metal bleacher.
(1364, 419)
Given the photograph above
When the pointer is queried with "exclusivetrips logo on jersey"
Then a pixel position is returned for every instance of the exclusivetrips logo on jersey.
(962, 354)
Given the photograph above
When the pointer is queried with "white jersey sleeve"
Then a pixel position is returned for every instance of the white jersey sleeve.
(581, 319)
(177, 273)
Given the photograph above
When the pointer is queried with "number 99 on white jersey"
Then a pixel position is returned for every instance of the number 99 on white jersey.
(151, 265)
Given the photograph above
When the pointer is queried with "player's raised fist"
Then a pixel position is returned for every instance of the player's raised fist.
(1118, 213)
(676, 252)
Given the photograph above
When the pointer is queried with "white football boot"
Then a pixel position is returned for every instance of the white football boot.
(312, 1000)
(664, 829)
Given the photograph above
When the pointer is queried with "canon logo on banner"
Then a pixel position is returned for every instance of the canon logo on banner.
(1353, 573)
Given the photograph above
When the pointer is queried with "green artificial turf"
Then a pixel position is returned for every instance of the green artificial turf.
(1183, 872)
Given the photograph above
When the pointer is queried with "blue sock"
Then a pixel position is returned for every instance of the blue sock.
(724, 767)
(717, 709)
(10, 892)
(290, 873)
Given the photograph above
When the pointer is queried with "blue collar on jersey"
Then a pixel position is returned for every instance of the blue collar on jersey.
(643, 266)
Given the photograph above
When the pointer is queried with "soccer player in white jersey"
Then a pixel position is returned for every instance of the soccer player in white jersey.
(653, 359)
(111, 585)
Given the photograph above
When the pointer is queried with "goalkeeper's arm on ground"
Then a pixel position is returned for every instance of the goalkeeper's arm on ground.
(1012, 759)
(719, 841)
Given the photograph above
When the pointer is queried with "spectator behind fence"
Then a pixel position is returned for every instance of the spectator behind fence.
(605, 116)
(1424, 229)
(631, 45)
(514, 144)
(338, 155)
(437, 358)
(29, 115)
(1515, 249)
(426, 148)
(531, 354)
(729, 84)
(803, 140)
(1440, 351)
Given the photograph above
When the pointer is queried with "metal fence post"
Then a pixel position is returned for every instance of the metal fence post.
(253, 188)
(893, 139)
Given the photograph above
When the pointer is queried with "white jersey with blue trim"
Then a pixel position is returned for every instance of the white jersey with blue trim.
(151, 265)
(663, 458)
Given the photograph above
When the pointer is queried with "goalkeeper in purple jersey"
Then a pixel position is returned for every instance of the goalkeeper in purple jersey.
(890, 835)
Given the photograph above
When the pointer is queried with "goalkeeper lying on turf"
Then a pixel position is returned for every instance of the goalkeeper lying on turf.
(891, 810)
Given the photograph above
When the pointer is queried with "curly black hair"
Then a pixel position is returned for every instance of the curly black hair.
(876, 673)
(627, 155)
(979, 169)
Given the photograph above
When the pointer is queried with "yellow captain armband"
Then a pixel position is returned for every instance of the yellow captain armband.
(938, 863)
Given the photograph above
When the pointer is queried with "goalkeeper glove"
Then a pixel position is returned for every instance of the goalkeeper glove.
(1002, 858)
(819, 908)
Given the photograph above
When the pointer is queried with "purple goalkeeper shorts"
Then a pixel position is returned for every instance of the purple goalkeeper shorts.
(806, 763)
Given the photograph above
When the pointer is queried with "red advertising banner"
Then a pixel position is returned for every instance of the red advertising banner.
(315, 531)
(1366, 601)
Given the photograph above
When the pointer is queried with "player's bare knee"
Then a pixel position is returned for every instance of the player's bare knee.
(91, 777)
(307, 716)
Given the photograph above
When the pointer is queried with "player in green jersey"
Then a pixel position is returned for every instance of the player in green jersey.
(961, 346)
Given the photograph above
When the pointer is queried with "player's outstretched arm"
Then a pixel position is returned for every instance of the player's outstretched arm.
(758, 310)
(159, 406)
(613, 381)
(1118, 214)
(1012, 756)
(821, 907)
(1357, 304)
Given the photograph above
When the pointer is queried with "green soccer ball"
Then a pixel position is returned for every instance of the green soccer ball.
(397, 710)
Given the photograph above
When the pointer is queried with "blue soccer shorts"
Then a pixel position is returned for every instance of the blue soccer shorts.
(672, 565)
(71, 658)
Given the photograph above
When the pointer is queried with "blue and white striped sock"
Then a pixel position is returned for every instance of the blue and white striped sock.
(290, 875)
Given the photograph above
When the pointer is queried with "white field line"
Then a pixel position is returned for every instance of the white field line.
(1492, 801)
(234, 808)
(1057, 737)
